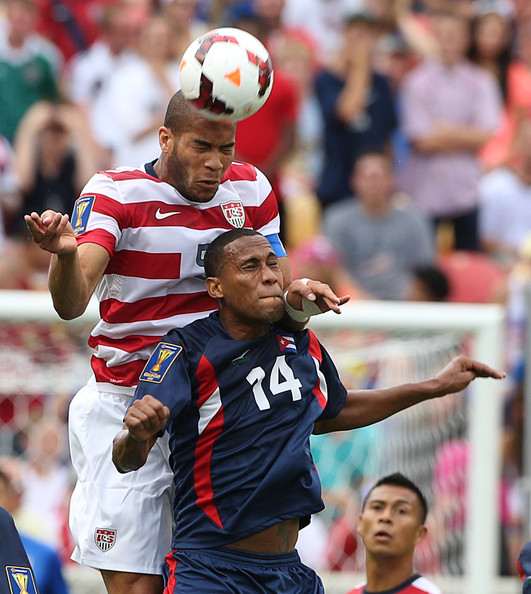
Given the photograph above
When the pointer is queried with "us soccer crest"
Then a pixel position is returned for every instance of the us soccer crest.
(20, 580)
(234, 212)
(105, 538)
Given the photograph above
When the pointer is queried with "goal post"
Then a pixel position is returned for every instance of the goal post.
(486, 324)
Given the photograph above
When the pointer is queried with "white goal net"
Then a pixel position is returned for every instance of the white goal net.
(450, 446)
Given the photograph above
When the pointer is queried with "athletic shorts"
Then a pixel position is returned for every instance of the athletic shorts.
(230, 571)
(120, 522)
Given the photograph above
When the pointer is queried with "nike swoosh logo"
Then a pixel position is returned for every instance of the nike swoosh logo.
(163, 215)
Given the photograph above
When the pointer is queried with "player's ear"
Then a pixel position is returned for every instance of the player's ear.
(359, 527)
(166, 140)
(213, 286)
(421, 534)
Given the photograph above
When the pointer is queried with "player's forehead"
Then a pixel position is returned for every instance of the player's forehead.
(251, 247)
(393, 494)
(213, 132)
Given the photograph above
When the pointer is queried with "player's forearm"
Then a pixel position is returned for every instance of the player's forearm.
(68, 286)
(365, 407)
(128, 454)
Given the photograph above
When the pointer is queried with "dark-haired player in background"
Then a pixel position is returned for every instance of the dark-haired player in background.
(137, 240)
(391, 525)
(239, 396)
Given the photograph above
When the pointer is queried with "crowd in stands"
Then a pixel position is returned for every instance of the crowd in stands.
(397, 139)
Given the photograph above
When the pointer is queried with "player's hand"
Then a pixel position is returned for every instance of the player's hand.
(146, 418)
(460, 372)
(316, 293)
(52, 232)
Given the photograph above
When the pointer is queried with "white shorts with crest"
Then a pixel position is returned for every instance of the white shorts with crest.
(120, 522)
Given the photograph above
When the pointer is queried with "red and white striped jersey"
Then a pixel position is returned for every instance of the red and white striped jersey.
(417, 584)
(156, 239)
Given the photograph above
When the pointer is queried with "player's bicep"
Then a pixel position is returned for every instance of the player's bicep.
(93, 259)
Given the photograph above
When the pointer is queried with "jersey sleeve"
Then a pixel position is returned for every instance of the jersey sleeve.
(166, 375)
(330, 388)
(265, 218)
(99, 215)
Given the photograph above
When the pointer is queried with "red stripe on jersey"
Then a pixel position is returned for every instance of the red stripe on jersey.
(148, 214)
(145, 265)
(126, 374)
(99, 237)
(204, 489)
(109, 207)
(240, 172)
(155, 308)
(135, 174)
(171, 562)
(315, 352)
(129, 344)
(263, 214)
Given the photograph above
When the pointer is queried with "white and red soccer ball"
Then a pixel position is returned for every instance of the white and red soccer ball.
(226, 74)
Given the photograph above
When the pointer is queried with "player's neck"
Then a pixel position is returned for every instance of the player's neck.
(386, 573)
(242, 329)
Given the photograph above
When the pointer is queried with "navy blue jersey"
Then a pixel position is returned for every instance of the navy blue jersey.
(16, 574)
(242, 412)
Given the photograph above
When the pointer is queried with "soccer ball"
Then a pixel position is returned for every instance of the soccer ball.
(226, 74)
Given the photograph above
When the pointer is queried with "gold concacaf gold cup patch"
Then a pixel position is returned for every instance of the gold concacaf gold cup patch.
(160, 361)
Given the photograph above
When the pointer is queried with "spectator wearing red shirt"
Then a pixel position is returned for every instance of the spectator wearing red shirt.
(267, 138)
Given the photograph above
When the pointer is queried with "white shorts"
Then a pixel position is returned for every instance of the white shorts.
(120, 522)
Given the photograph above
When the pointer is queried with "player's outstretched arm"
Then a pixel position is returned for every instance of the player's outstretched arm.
(74, 272)
(364, 407)
(305, 298)
(143, 423)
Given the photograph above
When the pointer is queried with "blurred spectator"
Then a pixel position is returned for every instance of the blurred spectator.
(138, 93)
(513, 474)
(72, 25)
(318, 258)
(500, 151)
(428, 283)
(91, 71)
(491, 46)
(9, 188)
(44, 560)
(273, 124)
(345, 461)
(505, 210)
(12, 272)
(323, 21)
(294, 56)
(517, 305)
(46, 478)
(357, 106)
(394, 58)
(184, 24)
(380, 239)
(26, 518)
(450, 108)
(55, 156)
(449, 507)
(29, 65)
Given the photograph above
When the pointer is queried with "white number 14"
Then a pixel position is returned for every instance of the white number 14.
(281, 380)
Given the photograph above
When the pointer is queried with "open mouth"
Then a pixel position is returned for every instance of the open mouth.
(382, 536)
